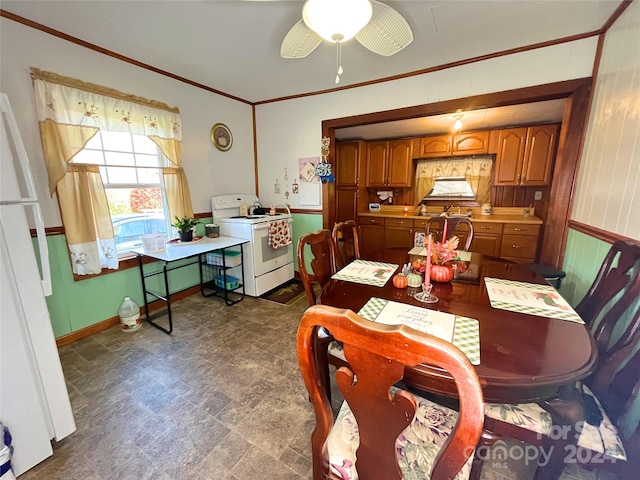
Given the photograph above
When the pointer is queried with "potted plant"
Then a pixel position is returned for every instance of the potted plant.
(185, 227)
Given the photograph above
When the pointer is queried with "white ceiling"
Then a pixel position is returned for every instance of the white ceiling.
(234, 46)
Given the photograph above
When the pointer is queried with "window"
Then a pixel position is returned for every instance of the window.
(131, 170)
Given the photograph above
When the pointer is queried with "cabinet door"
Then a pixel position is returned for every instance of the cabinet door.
(400, 164)
(435, 146)
(473, 143)
(346, 204)
(377, 164)
(347, 166)
(486, 243)
(398, 240)
(371, 239)
(539, 155)
(511, 147)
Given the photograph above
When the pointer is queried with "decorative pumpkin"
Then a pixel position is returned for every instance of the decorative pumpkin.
(419, 265)
(441, 273)
(414, 279)
(400, 281)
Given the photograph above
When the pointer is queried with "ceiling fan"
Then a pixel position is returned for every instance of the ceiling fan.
(377, 26)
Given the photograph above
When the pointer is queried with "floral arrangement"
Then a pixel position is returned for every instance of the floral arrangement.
(445, 253)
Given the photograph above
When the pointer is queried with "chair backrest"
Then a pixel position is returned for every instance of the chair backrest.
(345, 242)
(322, 263)
(453, 228)
(377, 355)
(613, 295)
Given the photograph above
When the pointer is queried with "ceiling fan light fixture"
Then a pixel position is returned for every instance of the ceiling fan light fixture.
(337, 20)
(457, 124)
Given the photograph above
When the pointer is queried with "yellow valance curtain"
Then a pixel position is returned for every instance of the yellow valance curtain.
(476, 171)
(70, 112)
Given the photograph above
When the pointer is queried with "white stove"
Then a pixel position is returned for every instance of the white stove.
(265, 267)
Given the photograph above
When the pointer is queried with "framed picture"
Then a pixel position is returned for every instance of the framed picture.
(221, 137)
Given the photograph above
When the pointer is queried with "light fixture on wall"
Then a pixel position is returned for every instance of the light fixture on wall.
(457, 124)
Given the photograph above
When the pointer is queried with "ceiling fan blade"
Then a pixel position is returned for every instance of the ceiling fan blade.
(387, 33)
(300, 41)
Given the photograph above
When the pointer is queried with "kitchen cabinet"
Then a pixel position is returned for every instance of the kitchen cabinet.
(389, 164)
(398, 240)
(525, 155)
(519, 242)
(371, 238)
(349, 170)
(487, 238)
(470, 143)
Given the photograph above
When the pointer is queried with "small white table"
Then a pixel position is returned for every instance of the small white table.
(197, 251)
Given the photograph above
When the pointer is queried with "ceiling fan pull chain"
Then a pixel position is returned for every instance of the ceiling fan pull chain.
(338, 62)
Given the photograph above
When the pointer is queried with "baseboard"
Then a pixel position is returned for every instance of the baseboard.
(113, 321)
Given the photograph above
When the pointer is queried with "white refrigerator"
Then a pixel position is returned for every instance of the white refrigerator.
(34, 402)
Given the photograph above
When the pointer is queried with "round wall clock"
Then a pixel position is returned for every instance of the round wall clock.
(221, 137)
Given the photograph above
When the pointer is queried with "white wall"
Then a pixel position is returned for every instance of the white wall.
(210, 172)
(608, 188)
(292, 129)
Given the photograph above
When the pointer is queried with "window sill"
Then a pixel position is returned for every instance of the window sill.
(124, 263)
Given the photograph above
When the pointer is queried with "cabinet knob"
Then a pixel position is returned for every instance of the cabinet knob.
(483, 227)
(515, 246)
(517, 229)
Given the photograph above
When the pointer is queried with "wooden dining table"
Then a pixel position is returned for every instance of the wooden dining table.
(523, 358)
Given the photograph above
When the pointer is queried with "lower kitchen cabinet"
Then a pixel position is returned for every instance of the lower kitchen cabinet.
(520, 242)
(371, 238)
(487, 238)
(398, 240)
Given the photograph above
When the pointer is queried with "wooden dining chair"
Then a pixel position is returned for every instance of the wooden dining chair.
(536, 423)
(345, 242)
(459, 226)
(606, 306)
(383, 432)
(322, 262)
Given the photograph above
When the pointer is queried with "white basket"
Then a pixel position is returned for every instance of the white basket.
(154, 242)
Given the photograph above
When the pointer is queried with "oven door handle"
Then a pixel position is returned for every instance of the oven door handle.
(267, 225)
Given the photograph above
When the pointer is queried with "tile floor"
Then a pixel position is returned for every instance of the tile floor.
(219, 399)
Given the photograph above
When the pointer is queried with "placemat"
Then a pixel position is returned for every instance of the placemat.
(529, 298)
(366, 272)
(466, 333)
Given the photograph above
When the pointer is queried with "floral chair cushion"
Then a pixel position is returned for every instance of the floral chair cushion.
(603, 439)
(416, 447)
(335, 349)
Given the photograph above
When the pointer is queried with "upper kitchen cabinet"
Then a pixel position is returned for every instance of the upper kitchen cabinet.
(471, 143)
(525, 155)
(390, 163)
(349, 170)
(349, 156)
(436, 146)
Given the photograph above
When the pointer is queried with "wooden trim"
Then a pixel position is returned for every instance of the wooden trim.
(306, 210)
(255, 151)
(600, 234)
(90, 46)
(615, 15)
(202, 215)
(113, 321)
(109, 53)
(438, 68)
(48, 231)
(123, 264)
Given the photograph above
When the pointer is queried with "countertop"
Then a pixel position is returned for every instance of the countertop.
(500, 215)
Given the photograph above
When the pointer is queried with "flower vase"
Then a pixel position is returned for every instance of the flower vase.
(441, 273)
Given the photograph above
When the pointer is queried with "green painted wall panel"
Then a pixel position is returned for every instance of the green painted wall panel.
(304, 223)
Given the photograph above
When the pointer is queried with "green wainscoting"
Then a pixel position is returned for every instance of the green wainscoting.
(304, 223)
(75, 305)
(582, 259)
